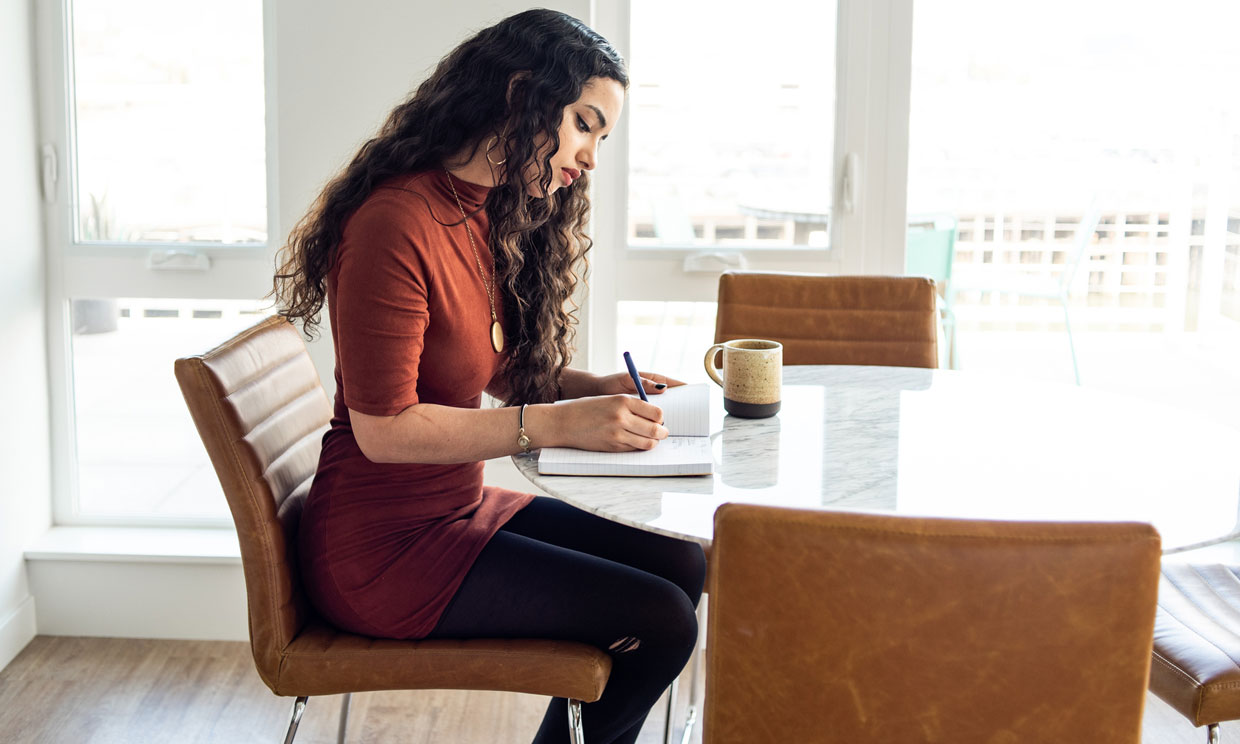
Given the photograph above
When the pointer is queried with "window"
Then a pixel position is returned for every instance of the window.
(730, 136)
(138, 453)
(750, 141)
(1090, 107)
(168, 117)
(155, 130)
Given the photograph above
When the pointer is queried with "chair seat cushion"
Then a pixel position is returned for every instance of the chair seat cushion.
(1196, 667)
(324, 661)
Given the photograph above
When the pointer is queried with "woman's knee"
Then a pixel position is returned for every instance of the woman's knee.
(683, 623)
(668, 621)
(688, 569)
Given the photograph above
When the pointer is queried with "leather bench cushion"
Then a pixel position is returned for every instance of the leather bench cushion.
(1196, 666)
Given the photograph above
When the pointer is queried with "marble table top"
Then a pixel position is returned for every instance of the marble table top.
(942, 443)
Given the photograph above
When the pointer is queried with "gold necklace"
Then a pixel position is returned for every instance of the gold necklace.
(497, 333)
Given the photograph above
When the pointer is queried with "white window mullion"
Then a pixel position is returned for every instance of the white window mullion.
(596, 335)
(271, 125)
(51, 43)
(873, 68)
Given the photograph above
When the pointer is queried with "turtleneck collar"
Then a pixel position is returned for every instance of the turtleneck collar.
(472, 195)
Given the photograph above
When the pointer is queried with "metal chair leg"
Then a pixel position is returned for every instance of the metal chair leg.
(668, 720)
(299, 707)
(344, 717)
(695, 666)
(692, 712)
(699, 650)
(1212, 734)
(575, 733)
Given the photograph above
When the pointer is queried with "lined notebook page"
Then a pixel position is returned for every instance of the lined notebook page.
(686, 410)
(672, 456)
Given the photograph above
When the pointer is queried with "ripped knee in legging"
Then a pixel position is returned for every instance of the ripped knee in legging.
(625, 645)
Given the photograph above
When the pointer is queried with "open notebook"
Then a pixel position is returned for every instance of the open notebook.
(686, 451)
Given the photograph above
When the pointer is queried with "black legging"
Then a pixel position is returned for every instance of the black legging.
(554, 571)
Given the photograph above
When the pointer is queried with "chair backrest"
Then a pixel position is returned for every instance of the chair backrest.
(880, 320)
(930, 250)
(261, 412)
(848, 627)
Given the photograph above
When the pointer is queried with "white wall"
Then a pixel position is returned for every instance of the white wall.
(25, 490)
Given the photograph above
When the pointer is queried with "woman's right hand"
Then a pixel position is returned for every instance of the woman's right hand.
(604, 423)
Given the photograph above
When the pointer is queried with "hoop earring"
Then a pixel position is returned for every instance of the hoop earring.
(491, 146)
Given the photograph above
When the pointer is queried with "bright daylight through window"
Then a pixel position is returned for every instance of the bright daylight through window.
(169, 121)
(1030, 123)
(168, 149)
(730, 147)
(733, 145)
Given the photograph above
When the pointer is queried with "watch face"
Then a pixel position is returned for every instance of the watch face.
(523, 441)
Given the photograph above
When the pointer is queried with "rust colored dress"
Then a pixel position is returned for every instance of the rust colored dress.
(384, 546)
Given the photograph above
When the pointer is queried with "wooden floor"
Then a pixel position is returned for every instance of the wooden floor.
(118, 691)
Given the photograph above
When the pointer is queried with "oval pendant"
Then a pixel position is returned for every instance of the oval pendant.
(497, 337)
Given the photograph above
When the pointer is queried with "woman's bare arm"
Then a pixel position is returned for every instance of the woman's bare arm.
(429, 433)
(576, 383)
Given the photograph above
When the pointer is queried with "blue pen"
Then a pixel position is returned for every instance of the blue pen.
(637, 380)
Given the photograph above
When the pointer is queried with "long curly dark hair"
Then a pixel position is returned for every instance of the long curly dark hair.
(513, 79)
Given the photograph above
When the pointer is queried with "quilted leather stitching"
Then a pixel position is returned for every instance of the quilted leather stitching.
(1189, 598)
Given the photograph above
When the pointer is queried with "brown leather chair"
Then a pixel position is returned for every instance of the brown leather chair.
(261, 412)
(879, 320)
(838, 627)
(1196, 666)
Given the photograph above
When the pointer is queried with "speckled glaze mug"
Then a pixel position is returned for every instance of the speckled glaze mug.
(752, 376)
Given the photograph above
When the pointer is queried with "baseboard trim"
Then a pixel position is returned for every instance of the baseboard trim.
(140, 599)
(16, 630)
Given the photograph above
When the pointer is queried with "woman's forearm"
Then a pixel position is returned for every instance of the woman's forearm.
(577, 383)
(434, 434)
(429, 433)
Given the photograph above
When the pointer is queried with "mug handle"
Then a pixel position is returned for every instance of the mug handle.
(711, 353)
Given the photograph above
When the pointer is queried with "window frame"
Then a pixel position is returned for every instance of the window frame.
(112, 269)
(873, 55)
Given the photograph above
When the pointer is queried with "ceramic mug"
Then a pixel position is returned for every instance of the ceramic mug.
(752, 376)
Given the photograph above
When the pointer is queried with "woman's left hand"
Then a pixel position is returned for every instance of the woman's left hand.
(622, 383)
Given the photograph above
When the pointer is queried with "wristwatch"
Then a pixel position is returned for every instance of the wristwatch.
(523, 441)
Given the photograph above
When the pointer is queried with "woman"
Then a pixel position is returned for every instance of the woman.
(446, 254)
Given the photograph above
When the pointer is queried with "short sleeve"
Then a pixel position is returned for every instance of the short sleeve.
(381, 289)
